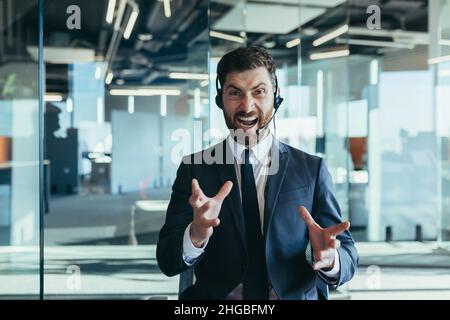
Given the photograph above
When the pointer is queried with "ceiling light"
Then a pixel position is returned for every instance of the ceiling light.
(130, 104)
(163, 105)
(436, 60)
(225, 36)
(293, 43)
(331, 35)
(144, 92)
(98, 73)
(69, 105)
(145, 36)
(130, 24)
(376, 43)
(109, 78)
(309, 31)
(53, 97)
(188, 76)
(167, 11)
(329, 54)
(110, 11)
(374, 72)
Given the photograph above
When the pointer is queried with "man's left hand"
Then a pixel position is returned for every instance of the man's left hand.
(323, 240)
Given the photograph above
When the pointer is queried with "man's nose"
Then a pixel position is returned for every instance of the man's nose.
(248, 103)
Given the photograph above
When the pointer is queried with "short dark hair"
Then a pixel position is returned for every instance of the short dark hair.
(243, 59)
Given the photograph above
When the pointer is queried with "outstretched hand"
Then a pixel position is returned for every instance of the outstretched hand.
(323, 240)
(206, 212)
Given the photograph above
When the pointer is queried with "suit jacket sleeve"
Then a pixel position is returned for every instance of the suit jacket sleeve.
(326, 212)
(179, 214)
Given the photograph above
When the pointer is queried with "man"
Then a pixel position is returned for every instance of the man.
(245, 225)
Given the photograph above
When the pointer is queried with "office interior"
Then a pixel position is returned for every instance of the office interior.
(95, 118)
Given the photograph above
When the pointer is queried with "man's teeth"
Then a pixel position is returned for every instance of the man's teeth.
(247, 119)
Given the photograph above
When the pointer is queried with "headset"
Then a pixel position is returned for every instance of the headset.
(276, 104)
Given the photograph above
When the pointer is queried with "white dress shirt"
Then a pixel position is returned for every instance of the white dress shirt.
(260, 160)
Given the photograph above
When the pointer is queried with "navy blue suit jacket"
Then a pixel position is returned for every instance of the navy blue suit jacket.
(301, 179)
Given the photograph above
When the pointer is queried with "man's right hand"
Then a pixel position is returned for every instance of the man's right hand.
(206, 212)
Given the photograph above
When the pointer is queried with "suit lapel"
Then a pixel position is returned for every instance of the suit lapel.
(274, 181)
(227, 172)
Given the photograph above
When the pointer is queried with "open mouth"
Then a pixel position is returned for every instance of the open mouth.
(247, 122)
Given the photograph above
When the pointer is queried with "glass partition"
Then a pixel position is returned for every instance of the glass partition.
(19, 150)
(130, 101)
(439, 60)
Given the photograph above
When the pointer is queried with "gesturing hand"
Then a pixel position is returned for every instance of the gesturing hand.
(206, 212)
(323, 241)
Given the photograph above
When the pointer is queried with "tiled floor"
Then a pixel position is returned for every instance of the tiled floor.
(386, 271)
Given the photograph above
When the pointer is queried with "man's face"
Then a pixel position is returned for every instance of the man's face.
(248, 100)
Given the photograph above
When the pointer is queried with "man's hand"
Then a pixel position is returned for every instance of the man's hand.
(206, 212)
(323, 241)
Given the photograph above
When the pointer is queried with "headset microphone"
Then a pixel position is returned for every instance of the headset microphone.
(278, 101)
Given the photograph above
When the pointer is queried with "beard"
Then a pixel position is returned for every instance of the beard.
(244, 126)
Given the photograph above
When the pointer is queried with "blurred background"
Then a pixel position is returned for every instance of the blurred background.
(127, 88)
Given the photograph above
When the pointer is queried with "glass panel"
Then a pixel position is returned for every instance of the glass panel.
(19, 150)
(129, 108)
(440, 47)
(393, 139)
(323, 90)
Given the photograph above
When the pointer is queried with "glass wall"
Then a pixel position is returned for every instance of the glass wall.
(19, 150)
(439, 53)
(393, 132)
(127, 98)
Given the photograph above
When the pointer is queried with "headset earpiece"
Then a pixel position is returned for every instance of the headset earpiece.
(277, 98)
(277, 102)
(219, 94)
(219, 99)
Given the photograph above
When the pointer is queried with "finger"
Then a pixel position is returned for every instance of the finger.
(224, 191)
(205, 222)
(335, 244)
(325, 254)
(196, 190)
(321, 264)
(197, 198)
(338, 228)
(306, 216)
(196, 201)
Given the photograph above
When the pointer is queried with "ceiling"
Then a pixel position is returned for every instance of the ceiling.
(181, 42)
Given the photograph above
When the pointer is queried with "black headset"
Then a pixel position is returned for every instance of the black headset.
(277, 98)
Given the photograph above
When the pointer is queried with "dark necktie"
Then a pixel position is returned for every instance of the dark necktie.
(255, 284)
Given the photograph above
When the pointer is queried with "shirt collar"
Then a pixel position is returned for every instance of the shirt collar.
(258, 152)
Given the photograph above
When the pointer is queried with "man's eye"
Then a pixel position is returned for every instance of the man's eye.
(235, 93)
(259, 92)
